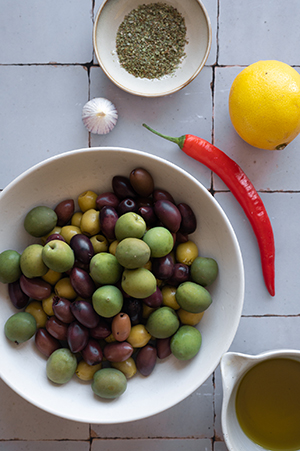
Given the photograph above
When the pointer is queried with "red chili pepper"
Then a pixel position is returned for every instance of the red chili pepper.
(243, 190)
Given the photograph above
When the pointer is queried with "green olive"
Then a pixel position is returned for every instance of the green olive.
(204, 271)
(109, 383)
(40, 220)
(9, 266)
(20, 327)
(61, 365)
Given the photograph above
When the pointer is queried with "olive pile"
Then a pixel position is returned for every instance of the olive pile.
(112, 287)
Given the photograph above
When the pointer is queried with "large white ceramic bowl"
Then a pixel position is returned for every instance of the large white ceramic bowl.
(23, 368)
(108, 19)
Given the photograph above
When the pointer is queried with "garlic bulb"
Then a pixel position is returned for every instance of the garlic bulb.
(99, 115)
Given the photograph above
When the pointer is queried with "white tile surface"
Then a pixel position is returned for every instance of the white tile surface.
(47, 73)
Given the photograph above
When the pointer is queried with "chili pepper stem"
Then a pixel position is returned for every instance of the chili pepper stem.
(179, 141)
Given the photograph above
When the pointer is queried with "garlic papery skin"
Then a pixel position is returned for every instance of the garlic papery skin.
(99, 116)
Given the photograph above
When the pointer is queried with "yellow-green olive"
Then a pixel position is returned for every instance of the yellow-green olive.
(48, 305)
(169, 297)
(139, 336)
(87, 200)
(186, 252)
(128, 367)
(68, 231)
(52, 277)
(90, 222)
(188, 318)
(35, 308)
(64, 289)
(76, 218)
(86, 372)
(113, 247)
(99, 243)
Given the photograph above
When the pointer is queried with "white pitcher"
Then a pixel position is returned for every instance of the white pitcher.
(233, 367)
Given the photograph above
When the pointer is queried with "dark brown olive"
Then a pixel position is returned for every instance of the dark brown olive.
(122, 187)
(181, 237)
(181, 273)
(134, 309)
(144, 202)
(189, 221)
(45, 342)
(56, 328)
(84, 313)
(54, 236)
(108, 218)
(163, 347)
(82, 282)
(118, 352)
(82, 248)
(163, 267)
(107, 199)
(102, 330)
(92, 353)
(61, 309)
(142, 182)
(168, 214)
(155, 299)
(161, 194)
(35, 288)
(126, 205)
(18, 298)
(147, 213)
(64, 211)
(146, 360)
(77, 336)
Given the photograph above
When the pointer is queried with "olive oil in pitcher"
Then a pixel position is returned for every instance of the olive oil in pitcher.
(268, 404)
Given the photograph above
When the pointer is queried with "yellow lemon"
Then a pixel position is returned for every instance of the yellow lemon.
(264, 104)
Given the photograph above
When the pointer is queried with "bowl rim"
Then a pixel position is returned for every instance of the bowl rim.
(155, 94)
(238, 309)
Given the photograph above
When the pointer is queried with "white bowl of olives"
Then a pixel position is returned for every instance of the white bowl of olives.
(120, 287)
(150, 48)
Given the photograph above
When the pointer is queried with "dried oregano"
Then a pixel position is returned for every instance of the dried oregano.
(151, 40)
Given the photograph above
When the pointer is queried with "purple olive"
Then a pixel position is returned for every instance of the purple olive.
(84, 313)
(134, 309)
(189, 221)
(118, 352)
(107, 199)
(45, 342)
(181, 237)
(181, 273)
(102, 330)
(82, 282)
(35, 288)
(56, 328)
(126, 205)
(146, 360)
(122, 187)
(108, 219)
(82, 248)
(147, 213)
(161, 194)
(92, 353)
(163, 267)
(168, 214)
(163, 347)
(54, 236)
(154, 300)
(144, 202)
(18, 298)
(77, 336)
(64, 211)
(61, 309)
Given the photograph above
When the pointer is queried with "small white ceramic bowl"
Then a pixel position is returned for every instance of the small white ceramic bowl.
(23, 368)
(233, 367)
(108, 19)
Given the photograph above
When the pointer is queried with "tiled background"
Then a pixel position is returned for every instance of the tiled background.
(47, 73)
